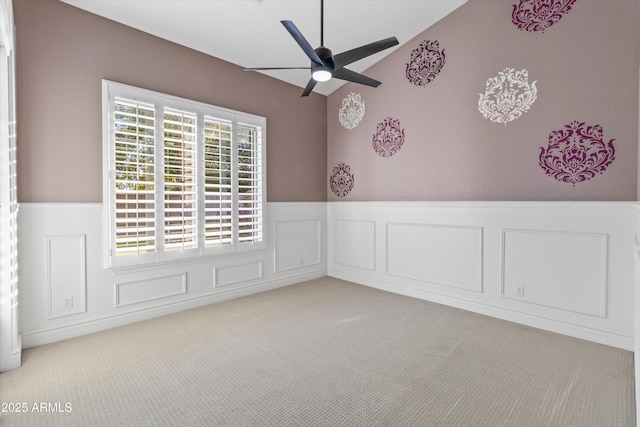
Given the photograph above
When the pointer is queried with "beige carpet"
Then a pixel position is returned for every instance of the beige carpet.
(322, 353)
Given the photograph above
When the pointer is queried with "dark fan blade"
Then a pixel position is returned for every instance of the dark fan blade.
(275, 68)
(352, 76)
(304, 44)
(309, 88)
(346, 58)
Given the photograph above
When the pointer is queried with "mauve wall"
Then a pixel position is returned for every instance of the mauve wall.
(64, 52)
(586, 69)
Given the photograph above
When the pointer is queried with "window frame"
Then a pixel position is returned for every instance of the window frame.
(161, 102)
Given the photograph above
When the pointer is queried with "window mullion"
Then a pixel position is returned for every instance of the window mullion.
(235, 235)
(112, 179)
(200, 184)
(159, 179)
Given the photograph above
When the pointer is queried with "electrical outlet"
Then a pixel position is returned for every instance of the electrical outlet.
(301, 261)
(68, 302)
(520, 291)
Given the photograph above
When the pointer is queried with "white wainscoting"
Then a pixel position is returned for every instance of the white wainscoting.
(149, 289)
(233, 274)
(564, 267)
(355, 243)
(292, 249)
(443, 255)
(556, 269)
(66, 275)
(66, 292)
(560, 266)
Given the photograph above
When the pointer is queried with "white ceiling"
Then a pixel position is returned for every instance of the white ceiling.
(249, 33)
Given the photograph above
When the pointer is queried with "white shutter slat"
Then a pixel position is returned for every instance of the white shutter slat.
(249, 176)
(180, 188)
(217, 179)
(134, 166)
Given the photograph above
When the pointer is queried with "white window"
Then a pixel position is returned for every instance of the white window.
(182, 179)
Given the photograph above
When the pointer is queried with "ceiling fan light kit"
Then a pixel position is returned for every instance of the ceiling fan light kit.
(320, 73)
(325, 65)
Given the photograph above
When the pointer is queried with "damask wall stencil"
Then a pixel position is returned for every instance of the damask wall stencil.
(388, 138)
(352, 111)
(425, 63)
(507, 96)
(341, 180)
(576, 153)
(538, 15)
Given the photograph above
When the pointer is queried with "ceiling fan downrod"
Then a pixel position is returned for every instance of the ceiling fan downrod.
(321, 22)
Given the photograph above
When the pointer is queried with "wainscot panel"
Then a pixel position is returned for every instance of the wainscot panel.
(292, 240)
(355, 244)
(66, 275)
(53, 285)
(561, 270)
(153, 288)
(566, 267)
(232, 274)
(439, 254)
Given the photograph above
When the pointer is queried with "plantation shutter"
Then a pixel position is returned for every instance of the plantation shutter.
(183, 179)
(134, 153)
(249, 177)
(218, 188)
(10, 338)
(180, 180)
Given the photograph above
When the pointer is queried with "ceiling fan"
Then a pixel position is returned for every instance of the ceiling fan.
(325, 65)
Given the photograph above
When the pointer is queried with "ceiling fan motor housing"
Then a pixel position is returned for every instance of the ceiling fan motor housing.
(324, 54)
(322, 72)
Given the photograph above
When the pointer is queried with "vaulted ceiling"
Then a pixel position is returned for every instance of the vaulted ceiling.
(249, 33)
